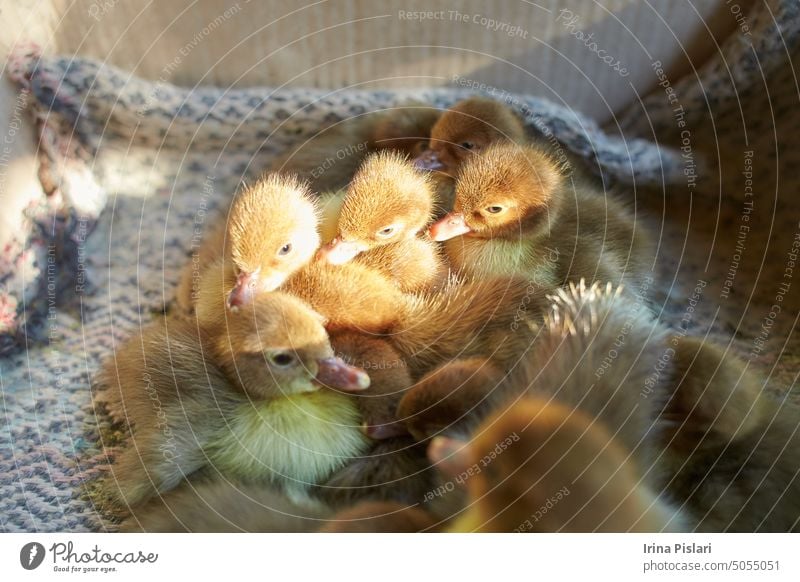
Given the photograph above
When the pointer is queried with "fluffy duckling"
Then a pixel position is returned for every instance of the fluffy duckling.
(731, 449)
(452, 398)
(389, 380)
(542, 466)
(271, 232)
(329, 160)
(395, 468)
(225, 507)
(467, 128)
(249, 403)
(386, 205)
(516, 213)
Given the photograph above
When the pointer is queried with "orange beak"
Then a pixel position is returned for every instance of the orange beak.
(243, 292)
(429, 161)
(449, 227)
(335, 373)
(339, 252)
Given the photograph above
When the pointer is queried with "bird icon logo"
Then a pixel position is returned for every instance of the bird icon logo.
(31, 555)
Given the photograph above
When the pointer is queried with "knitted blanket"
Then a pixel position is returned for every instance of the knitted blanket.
(131, 171)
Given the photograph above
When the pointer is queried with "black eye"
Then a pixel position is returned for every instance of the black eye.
(494, 209)
(282, 359)
(467, 145)
(384, 232)
(285, 250)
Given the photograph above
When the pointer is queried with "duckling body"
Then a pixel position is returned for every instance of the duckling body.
(298, 440)
(253, 401)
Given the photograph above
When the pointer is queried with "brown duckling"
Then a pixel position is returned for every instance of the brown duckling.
(467, 128)
(225, 507)
(270, 233)
(517, 213)
(452, 399)
(542, 466)
(386, 205)
(329, 160)
(254, 403)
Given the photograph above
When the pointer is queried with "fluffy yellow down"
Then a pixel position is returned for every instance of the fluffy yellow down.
(295, 441)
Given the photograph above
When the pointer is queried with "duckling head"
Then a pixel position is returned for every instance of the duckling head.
(466, 129)
(387, 201)
(406, 128)
(272, 232)
(507, 191)
(278, 346)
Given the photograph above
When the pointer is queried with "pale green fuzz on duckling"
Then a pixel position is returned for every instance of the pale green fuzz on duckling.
(295, 441)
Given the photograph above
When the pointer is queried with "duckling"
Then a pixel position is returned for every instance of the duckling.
(394, 468)
(482, 318)
(386, 205)
(329, 160)
(225, 507)
(542, 466)
(271, 233)
(389, 380)
(249, 403)
(516, 213)
(730, 448)
(452, 398)
(467, 128)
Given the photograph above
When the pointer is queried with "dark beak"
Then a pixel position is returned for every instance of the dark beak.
(428, 160)
(335, 373)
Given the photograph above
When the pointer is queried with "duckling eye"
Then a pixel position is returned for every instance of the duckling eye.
(282, 359)
(386, 232)
(467, 145)
(285, 250)
(494, 209)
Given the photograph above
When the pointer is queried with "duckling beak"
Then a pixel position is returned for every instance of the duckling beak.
(243, 292)
(339, 252)
(428, 160)
(335, 373)
(448, 227)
